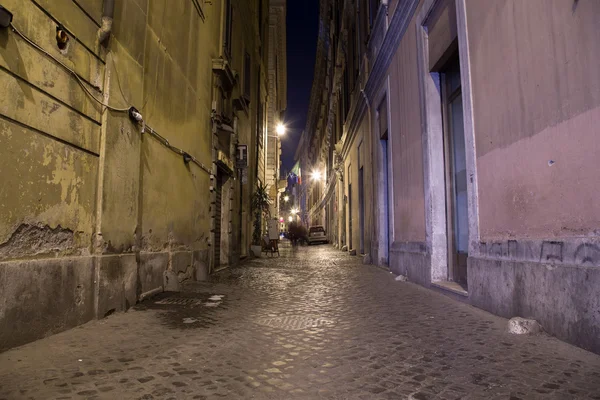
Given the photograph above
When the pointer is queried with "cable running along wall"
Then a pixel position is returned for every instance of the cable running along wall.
(133, 113)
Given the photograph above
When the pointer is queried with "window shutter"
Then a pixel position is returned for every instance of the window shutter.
(441, 29)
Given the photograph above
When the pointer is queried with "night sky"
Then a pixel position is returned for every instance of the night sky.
(302, 30)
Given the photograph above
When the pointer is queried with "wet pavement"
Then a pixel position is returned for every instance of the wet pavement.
(312, 324)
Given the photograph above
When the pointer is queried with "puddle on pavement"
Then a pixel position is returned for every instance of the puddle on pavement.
(186, 310)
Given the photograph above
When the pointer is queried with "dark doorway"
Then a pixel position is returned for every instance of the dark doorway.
(218, 217)
(361, 206)
(457, 218)
(349, 215)
(350, 241)
(384, 212)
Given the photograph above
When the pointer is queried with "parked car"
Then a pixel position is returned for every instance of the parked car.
(316, 234)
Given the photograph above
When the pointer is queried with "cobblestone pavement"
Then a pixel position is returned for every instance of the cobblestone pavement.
(312, 324)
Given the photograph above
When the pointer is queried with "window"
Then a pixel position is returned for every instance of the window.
(457, 210)
(228, 24)
(352, 56)
(260, 17)
(363, 23)
(330, 156)
(260, 119)
(382, 116)
(338, 13)
(247, 76)
(373, 8)
(345, 96)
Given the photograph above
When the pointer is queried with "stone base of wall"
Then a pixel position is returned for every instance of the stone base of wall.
(42, 297)
(410, 260)
(564, 299)
(117, 283)
(47, 296)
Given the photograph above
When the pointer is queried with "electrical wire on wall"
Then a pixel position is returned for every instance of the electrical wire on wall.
(134, 114)
(136, 117)
(66, 67)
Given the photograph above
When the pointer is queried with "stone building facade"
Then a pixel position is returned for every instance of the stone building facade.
(277, 92)
(457, 141)
(101, 206)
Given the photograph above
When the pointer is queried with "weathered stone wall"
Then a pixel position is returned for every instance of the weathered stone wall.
(50, 145)
(93, 213)
(536, 118)
(408, 252)
(406, 143)
(535, 123)
(530, 111)
(277, 76)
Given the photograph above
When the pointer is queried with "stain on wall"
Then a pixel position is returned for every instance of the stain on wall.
(535, 117)
(80, 180)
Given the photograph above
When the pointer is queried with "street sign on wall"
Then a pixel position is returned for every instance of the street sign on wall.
(241, 159)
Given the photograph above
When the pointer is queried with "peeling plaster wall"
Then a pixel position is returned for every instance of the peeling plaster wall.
(93, 213)
(48, 188)
(174, 199)
(50, 145)
(49, 139)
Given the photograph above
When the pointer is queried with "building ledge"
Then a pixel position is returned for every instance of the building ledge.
(452, 287)
(222, 68)
(224, 163)
(242, 104)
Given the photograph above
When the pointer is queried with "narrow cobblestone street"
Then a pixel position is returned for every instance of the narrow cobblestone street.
(314, 323)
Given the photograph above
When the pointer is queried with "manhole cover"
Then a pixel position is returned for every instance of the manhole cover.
(292, 323)
(179, 301)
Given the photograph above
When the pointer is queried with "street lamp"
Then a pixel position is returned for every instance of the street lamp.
(290, 218)
(294, 211)
(316, 175)
(280, 129)
(286, 198)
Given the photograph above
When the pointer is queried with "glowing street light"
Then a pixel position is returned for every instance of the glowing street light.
(290, 218)
(294, 211)
(286, 198)
(280, 129)
(316, 175)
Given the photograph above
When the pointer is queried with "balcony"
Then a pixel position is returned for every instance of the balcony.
(222, 68)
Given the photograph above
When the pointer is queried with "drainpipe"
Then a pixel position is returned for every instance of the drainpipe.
(107, 21)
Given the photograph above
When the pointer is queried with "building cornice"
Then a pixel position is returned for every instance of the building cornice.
(393, 36)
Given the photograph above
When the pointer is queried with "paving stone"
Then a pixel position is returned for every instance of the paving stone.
(314, 323)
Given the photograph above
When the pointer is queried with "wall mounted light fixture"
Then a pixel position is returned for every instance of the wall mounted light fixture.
(61, 37)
